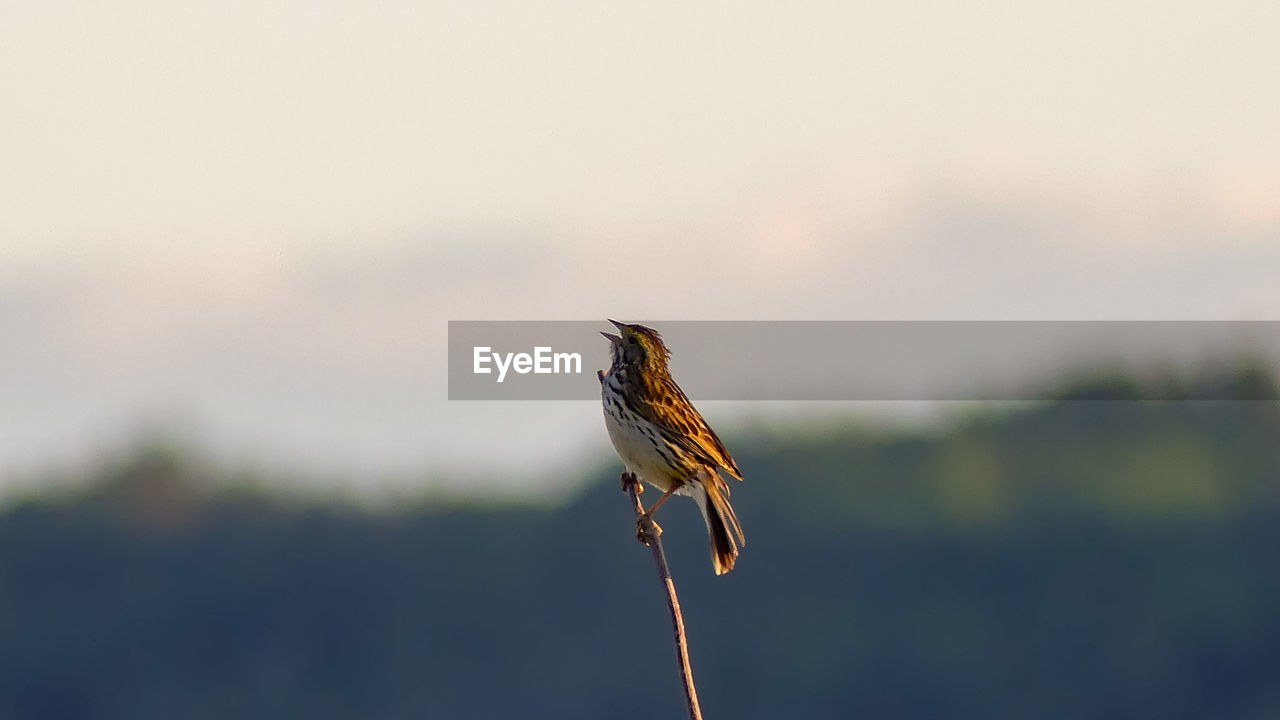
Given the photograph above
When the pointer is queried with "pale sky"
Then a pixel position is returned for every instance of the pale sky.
(252, 220)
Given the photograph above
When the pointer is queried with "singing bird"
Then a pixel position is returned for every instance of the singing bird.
(663, 439)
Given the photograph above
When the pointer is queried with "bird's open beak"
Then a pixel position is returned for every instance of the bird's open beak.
(611, 336)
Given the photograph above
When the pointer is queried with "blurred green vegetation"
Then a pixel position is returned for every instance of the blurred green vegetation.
(1095, 556)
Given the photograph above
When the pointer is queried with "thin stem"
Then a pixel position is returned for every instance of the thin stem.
(651, 538)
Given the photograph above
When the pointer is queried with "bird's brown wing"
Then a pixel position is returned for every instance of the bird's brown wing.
(667, 407)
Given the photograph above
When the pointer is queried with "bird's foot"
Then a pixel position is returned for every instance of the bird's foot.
(628, 479)
(646, 529)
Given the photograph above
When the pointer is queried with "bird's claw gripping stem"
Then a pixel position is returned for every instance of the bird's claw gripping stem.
(646, 529)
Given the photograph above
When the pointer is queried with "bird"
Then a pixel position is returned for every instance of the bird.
(662, 439)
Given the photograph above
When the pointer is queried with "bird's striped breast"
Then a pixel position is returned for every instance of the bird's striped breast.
(641, 444)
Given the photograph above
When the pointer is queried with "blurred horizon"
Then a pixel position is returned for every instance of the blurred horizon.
(1230, 387)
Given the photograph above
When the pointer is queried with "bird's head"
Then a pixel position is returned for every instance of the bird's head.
(637, 346)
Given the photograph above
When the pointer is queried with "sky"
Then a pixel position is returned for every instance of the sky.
(247, 224)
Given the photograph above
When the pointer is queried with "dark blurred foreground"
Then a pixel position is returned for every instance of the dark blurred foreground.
(1094, 559)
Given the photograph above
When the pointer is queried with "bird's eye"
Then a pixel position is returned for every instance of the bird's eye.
(631, 339)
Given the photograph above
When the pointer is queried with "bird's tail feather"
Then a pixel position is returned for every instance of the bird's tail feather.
(712, 496)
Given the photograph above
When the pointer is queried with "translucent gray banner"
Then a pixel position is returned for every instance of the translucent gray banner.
(869, 360)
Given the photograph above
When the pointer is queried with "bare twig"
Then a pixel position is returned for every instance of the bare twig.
(649, 535)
